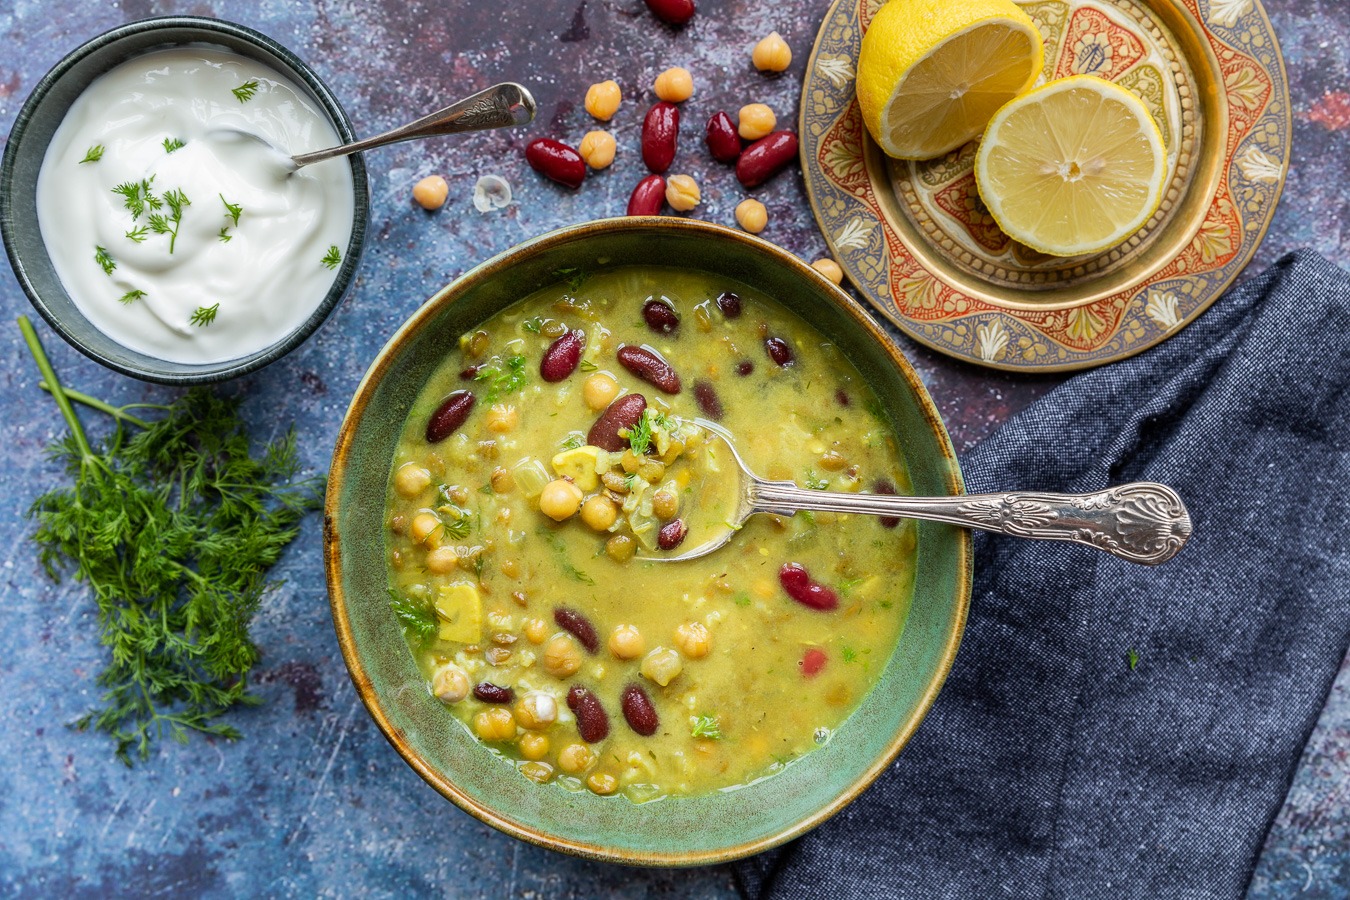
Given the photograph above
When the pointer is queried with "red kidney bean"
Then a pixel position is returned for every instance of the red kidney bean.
(672, 12)
(799, 586)
(555, 160)
(580, 627)
(470, 373)
(744, 367)
(813, 660)
(884, 486)
(779, 351)
(648, 197)
(651, 368)
(660, 132)
(671, 534)
(842, 398)
(766, 157)
(638, 710)
(729, 304)
(723, 142)
(492, 693)
(562, 356)
(707, 398)
(618, 416)
(660, 316)
(592, 722)
(449, 415)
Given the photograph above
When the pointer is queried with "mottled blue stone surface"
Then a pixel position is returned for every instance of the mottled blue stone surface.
(314, 801)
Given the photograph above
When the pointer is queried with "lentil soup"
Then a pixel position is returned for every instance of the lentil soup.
(557, 449)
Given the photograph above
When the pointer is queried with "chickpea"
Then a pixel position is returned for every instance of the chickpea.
(751, 215)
(602, 783)
(411, 480)
(450, 685)
(620, 548)
(626, 642)
(430, 192)
(756, 121)
(536, 630)
(602, 100)
(559, 500)
(693, 640)
(496, 724)
(442, 560)
(502, 418)
(533, 745)
(630, 461)
(674, 85)
(771, 54)
(682, 193)
(662, 666)
(561, 657)
(537, 710)
(426, 529)
(597, 148)
(665, 504)
(575, 758)
(599, 513)
(830, 269)
(599, 390)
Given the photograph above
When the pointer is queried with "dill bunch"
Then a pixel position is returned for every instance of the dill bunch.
(173, 524)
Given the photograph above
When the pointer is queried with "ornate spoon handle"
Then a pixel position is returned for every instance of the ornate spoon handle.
(1142, 522)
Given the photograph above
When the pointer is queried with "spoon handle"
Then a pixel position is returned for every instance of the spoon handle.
(1142, 522)
(499, 106)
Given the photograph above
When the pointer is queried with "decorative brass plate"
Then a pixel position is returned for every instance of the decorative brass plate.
(919, 244)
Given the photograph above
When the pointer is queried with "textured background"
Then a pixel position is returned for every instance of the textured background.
(314, 801)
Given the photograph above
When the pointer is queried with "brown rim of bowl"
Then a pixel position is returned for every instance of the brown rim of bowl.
(333, 568)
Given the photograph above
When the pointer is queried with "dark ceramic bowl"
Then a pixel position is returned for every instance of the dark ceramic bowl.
(674, 831)
(42, 114)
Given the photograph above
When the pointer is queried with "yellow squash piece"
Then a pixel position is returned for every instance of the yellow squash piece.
(460, 611)
(579, 465)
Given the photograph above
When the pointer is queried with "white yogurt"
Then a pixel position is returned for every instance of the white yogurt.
(228, 288)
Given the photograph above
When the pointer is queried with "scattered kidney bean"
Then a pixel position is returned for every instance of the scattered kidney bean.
(799, 586)
(884, 486)
(707, 398)
(813, 660)
(648, 197)
(638, 710)
(744, 367)
(672, 12)
(778, 351)
(449, 415)
(729, 304)
(671, 534)
(660, 132)
(620, 415)
(651, 368)
(842, 398)
(562, 356)
(579, 626)
(592, 723)
(555, 160)
(723, 142)
(660, 316)
(470, 373)
(766, 157)
(492, 693)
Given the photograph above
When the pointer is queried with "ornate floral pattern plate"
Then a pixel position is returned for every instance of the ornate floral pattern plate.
(919, 244)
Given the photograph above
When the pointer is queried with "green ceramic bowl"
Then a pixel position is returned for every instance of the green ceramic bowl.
(675, 831)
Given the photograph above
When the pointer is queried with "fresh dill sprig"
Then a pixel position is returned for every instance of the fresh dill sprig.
(332, 257)
(93, 154)
(640, 436)
(1132, 658)
(233, 210)
(707, 727)
(588, 365)
(815, 483)
(172, 144)
(131, 296)
(573, 441)
(245, 91)
(573, 276)
(160, 223)
(503, 378)
(104, 259)
(457, 526)
(848, 654)
(533, 325)
(204, 315)
(137, 197)
(569, 570)
(416, 617)
(138, 234)
(225, 236)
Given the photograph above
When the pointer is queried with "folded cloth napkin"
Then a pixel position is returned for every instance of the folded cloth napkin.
(1053, 766)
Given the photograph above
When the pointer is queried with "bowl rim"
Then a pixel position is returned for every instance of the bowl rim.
(374, 375)
(332, 109)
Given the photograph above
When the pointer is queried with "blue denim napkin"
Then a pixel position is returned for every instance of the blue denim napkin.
(1048, 767)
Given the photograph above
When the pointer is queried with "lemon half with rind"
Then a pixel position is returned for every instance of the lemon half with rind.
(931, 73)
(1075, 167)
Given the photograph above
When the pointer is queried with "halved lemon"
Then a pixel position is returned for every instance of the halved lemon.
(1074, 167)
(931, 73)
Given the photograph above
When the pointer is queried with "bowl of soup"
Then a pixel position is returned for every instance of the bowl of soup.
(516, 470)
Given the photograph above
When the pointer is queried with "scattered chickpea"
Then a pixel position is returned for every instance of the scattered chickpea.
(665, 504)
(682, 193)
(620, 548)
(559, 500)
(771, 54)
(597, 148)
(496, 724)
(630, 461)
(426, 529)
(533, 745)
(626, 642)
(450, 685)
(536, 630)
(602, 783)
(830, 269)
(674, 85)
(442, 560)
(411, 480)
(536, 771)
(756, 121)
(561, 657)
(693, 640)
(575, 758)
(537, 710)
(599, 390)
(602, 100)
(662, 666)
(502, 418)
(598, 513)
(430, 192)
(751, 215)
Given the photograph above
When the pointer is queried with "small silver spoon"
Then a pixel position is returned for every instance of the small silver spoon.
(1141, 522)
